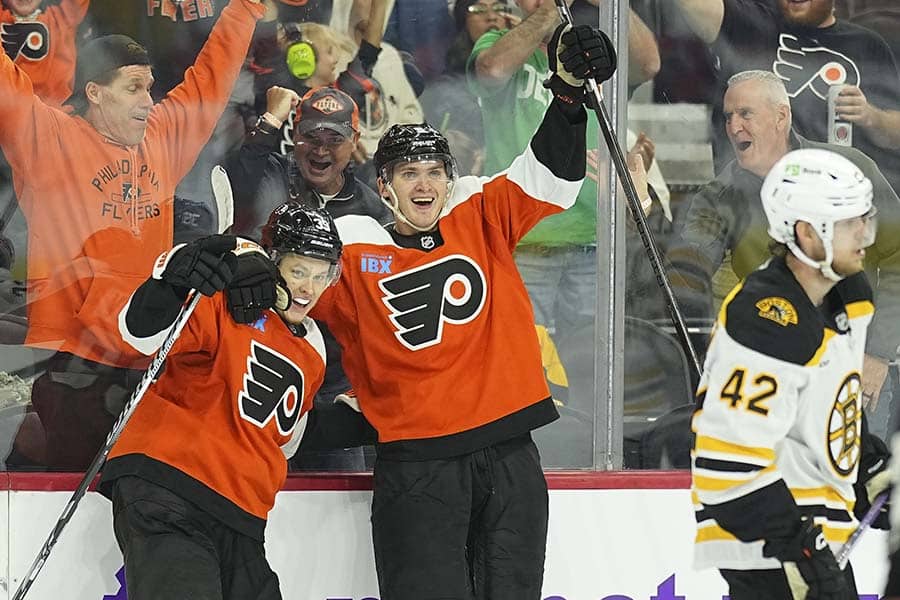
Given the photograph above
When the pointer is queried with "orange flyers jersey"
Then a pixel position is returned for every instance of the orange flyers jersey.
(45, 47)
(230, 405)
(439, 340)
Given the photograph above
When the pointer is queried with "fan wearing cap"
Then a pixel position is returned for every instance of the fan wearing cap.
(780, 440)
(300, 56)
(96, 189)
(318, 172)
(41, 41)
(238, 384)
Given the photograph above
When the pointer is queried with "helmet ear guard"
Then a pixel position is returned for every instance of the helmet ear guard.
(819, 187)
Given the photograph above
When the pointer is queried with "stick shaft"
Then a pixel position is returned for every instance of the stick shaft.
(634, 203)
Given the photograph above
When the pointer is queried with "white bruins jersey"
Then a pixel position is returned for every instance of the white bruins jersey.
(780, 417)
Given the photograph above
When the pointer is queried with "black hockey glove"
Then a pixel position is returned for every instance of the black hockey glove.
(809, 564)
(873, 477)
(206, 264)
(577, 54)
(254, 288)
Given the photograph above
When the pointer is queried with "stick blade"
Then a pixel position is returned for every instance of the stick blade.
(221, 187)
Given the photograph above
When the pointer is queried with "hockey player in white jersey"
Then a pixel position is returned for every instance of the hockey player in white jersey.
(778, 431)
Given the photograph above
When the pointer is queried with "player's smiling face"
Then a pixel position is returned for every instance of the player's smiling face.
(421, 188)
(756, 126)
(306, 279)
(808, 13)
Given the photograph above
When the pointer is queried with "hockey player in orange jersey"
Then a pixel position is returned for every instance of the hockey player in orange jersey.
(439, 343)
(196, 470)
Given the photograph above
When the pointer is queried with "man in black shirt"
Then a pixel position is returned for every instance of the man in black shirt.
(810, 50)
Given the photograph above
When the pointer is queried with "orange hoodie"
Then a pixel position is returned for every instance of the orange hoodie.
(45, 47)
(99, 213)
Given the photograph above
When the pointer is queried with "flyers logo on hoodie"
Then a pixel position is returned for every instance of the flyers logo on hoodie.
(29, 39)
(449, 290)
(273, 389)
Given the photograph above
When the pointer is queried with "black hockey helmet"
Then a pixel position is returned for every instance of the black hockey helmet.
(412, 142)
(299, 230)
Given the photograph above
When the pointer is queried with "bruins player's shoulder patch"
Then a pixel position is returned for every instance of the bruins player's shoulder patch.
(777, 309)
(772, 315)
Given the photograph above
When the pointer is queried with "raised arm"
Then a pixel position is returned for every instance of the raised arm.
(33, 119)
(73, 11)
(643, 51)
(495, 65)
(185, 119)
(704, 17)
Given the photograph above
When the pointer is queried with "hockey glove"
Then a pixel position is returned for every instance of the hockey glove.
(206, 264)
(577, 54)
(873, 477)
(811, 569)
(254, 288)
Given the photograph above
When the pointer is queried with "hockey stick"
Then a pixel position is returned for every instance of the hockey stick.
(634, 203)
(223, 195)
(94, 468)
(843, 555)
(221, 187)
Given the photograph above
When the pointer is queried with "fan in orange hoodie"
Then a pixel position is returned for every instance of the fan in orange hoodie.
(96, 188)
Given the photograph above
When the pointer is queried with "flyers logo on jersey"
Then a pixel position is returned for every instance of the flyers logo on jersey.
(777, 309)
(422, 300)
(29, 39)
(273, 388)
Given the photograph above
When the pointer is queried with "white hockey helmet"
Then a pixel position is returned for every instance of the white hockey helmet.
(819, 187)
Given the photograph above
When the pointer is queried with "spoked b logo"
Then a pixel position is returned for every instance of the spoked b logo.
(449, 290)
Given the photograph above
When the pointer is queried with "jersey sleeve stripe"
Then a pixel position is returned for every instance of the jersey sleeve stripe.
(829, 333)
(822, 495)
(860, 308)
(727, 466)
(723, 311)
(711, 532)
(706, 443)
(540, 183)
(723, 482)
(147, 345)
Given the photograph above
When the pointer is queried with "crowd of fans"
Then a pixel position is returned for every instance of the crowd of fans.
(268, 94)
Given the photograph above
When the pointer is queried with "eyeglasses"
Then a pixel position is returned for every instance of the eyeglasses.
(497, 7)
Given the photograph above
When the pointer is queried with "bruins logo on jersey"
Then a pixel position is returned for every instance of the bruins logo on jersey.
(777, 309)
(844, 427)
(450, 290)
(273, 387)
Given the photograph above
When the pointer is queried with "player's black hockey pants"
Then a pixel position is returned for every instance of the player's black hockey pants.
(175, 550)
(472, 527)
